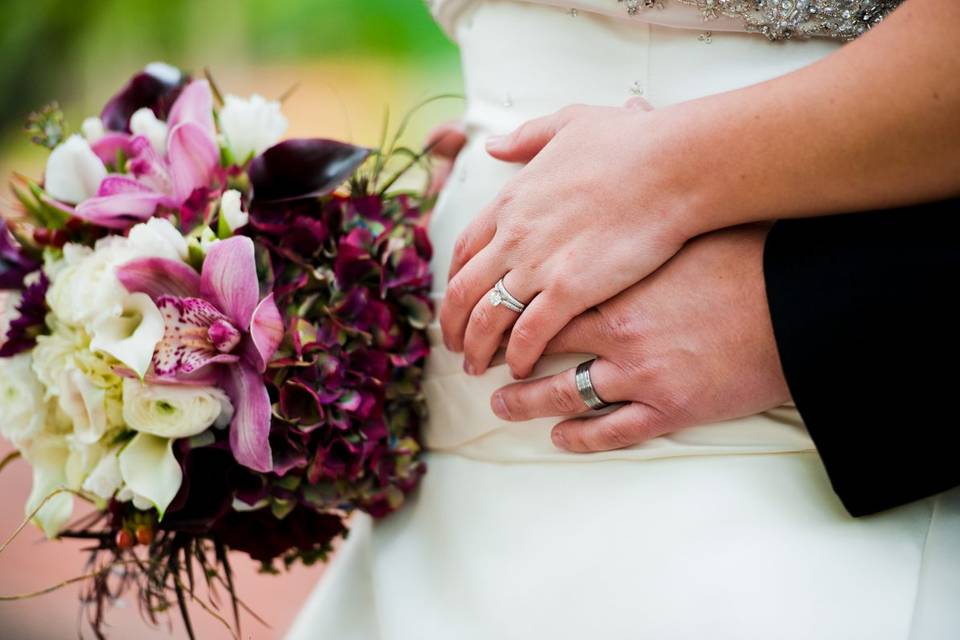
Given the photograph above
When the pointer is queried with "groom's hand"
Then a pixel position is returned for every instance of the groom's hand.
(691, 344)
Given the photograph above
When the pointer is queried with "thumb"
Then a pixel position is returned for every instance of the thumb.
(531, 137)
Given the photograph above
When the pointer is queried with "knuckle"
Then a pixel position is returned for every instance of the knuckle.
(457, 294)
(565, 398)
(461, 246)
(615, 436)
(621, 328)
(481, 318)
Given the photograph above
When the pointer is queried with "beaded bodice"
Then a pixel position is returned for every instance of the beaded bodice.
(776, 19)
(782, 19)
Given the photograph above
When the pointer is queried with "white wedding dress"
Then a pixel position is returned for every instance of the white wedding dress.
(725, 531)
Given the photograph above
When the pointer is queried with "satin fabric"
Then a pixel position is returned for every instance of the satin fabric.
(720, 531)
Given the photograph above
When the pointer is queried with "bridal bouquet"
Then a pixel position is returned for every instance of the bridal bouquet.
(214, 337)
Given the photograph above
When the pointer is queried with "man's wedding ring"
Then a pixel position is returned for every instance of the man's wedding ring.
(499, 296)
(585, 387)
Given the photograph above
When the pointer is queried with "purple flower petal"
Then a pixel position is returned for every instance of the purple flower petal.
(143, 90)
(250, 428)
(110, 144)
(192, 157)
(158, 277)
(186, 345)
(303, 168)
(229, 279)
(120, 203)
(266, 332)
(195, 105)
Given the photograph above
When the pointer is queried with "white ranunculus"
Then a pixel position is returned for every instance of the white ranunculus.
(145, 123)
(233, 215)
(93, 129)
(132, 336)
(251, 125)
(85, 287)
(174, 411)
(74, 172)
(47, 456)
(105, 479)
(22, 403)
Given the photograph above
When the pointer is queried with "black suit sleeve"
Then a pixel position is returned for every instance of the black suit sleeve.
(864, 310)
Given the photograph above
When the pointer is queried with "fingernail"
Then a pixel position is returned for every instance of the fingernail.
(500, 407)
(558, 440)
(468, 368)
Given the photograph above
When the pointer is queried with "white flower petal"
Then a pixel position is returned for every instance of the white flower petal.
(74, 172)
(105, 479)
(132, 336)
(84, 403)
(174, 411)
(145, 123)
(48, 457)
(150, 470)
(22, 407)
(251, 125)
(230, 209)
(93, 129)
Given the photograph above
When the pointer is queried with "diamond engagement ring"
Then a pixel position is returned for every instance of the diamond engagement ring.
(585, 387)
(499, 296)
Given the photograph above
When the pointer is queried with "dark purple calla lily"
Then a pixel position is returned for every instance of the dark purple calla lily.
(155, 87)
(303, 168)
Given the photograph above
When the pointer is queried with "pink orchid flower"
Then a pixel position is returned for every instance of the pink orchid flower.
(191, 161)
(216, 319)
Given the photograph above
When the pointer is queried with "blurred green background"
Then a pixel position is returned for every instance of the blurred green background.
(349, 58)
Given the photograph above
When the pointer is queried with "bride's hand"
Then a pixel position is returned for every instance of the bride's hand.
(606, 199)
(445, 142)
(692, 344)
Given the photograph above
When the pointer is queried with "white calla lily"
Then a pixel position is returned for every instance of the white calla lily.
(131, 336)
(174, 411)
(150, 470)
(48, 457)
(74, 172)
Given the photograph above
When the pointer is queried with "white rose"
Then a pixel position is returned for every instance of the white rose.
(145, 123)
(93, 129)
(84, 403)
(230, 209)
(8, 312)
(22, 405)
(74, 172)
(82, 459)
(105, 479)
(67, 351)
(251, 125)
(84, 287)
(174, 411)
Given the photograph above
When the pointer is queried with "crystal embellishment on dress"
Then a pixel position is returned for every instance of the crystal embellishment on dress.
(783, 19)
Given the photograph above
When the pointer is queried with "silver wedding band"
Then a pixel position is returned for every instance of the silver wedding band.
(585, 387)
(499, 296)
